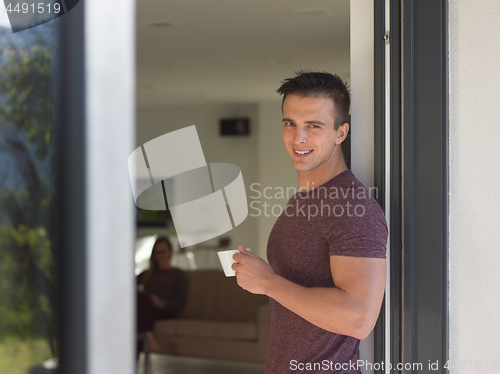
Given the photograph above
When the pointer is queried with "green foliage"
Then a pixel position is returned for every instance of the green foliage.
(27, 94)
(27, 284)
(17, 356)
(27, 269)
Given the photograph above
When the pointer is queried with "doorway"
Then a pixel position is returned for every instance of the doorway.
(197, 65)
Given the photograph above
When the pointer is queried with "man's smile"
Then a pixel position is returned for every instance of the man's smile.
(302, 152)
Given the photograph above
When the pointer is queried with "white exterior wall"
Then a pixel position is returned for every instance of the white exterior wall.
(474, 153)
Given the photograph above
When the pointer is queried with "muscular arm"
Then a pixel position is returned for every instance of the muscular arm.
(350, 308)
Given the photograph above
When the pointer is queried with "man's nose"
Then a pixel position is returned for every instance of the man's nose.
(300, 135)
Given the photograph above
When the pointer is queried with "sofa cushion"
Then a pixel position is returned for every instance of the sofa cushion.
(234, 304)
(201, 295)
(214, 297)
(207, 329)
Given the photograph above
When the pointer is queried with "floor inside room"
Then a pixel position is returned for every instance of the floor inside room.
(168, 364)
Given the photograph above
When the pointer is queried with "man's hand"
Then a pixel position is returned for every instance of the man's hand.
(157, 302)
(252, 272)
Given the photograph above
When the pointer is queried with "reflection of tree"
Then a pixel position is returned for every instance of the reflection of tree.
(27, 284)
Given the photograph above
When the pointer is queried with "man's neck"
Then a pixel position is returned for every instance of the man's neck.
(311, 180)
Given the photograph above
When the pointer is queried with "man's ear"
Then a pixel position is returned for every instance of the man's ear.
(343, 130)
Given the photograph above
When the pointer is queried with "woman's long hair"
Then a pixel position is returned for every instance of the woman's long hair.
(152, 264)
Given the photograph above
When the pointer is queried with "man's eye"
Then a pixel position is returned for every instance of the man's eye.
(314, 126)
(288, 123)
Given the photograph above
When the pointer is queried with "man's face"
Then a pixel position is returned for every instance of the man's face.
(309, 134)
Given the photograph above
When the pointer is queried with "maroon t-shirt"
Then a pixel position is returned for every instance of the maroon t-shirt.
(339, 218)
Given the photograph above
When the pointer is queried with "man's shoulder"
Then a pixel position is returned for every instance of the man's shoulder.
(344, 188)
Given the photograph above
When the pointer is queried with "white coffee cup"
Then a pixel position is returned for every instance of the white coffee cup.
(226, 259)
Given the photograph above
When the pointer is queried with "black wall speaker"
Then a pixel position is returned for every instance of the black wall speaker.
(234, 126)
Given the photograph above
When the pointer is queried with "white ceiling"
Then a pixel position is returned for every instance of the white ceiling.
(234, 51)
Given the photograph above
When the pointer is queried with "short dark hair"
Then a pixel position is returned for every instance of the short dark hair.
(153, 267)
(320, 84)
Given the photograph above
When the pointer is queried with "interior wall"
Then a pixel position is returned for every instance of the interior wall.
(238, 150)
(362, 91)
(474, 161)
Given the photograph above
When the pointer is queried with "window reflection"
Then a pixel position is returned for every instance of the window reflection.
(28, 285)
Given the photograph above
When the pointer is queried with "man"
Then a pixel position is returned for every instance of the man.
(326, 252)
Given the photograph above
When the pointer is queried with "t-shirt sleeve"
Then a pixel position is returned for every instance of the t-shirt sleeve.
(359, 235)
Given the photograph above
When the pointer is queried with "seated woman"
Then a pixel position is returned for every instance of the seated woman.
(161, 291)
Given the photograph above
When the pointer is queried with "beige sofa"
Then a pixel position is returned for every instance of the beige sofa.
(220, 320)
